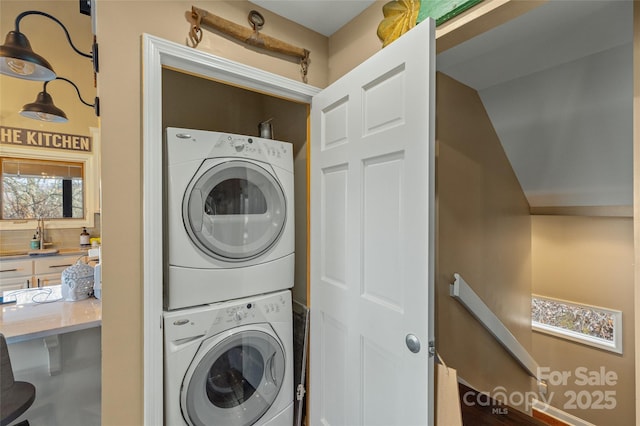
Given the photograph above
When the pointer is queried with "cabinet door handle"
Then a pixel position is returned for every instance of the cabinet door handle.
(9, 270)
(59, 266)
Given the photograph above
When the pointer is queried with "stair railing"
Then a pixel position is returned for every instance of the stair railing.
(462, 292)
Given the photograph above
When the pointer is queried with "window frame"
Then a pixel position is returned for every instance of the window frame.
(613, 346)
(91, 165)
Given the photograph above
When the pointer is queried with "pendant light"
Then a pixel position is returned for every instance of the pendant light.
(17, 58)
(44, 109)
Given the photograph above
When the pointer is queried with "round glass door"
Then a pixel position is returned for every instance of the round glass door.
(235, 381)
(235, 211)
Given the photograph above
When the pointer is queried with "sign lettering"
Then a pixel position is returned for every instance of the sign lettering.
(41, 139)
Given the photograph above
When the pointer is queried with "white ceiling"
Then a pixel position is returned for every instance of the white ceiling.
(323, 16)
(557, 84)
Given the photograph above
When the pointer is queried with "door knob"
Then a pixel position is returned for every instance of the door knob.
(413, 343)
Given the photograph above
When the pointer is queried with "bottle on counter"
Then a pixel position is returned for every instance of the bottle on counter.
(84, 238)
(35, 243)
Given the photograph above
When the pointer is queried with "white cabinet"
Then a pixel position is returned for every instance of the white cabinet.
(15, 274)
(15, 283)
(39, 272)
(44, 280)
(48, 270)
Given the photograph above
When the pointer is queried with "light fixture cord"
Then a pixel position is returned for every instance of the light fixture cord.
(37, 12)
(74, 86)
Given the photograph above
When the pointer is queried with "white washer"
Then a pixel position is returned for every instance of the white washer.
(230, 215)
(230, 363)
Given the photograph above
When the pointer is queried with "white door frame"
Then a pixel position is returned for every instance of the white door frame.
(158, 53)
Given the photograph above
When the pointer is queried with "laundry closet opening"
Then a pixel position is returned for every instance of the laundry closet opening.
(195, 102)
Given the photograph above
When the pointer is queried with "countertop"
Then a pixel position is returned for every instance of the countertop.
(24, 254)
(41, 312)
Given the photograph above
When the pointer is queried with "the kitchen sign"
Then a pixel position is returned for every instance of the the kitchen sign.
(41, 139)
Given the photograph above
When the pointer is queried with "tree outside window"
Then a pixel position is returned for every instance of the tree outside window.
(39, 188)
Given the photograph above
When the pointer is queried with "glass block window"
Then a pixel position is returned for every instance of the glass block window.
(590, 325)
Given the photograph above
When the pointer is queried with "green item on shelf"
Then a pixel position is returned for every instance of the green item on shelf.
(443, 10)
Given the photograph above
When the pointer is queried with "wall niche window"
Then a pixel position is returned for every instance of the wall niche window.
(590, 325)
(34, 188)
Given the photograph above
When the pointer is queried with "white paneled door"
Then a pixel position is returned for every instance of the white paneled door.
(372, 234)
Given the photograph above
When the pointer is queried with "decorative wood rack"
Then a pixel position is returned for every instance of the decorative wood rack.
(250, 36)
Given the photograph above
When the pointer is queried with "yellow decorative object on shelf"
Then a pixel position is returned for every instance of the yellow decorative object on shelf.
(399, 17)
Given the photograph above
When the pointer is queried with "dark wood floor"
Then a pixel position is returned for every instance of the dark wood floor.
(489, 412)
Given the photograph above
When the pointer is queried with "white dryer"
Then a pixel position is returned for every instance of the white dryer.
(230, 214)
(230, 363)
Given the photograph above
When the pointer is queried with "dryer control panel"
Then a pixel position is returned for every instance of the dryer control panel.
(190, 144)
(270, 151)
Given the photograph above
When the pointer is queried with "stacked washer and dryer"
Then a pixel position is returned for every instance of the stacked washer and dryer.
(227, 304)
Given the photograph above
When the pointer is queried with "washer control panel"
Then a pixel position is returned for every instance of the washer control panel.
(256, 311)
(217, 317)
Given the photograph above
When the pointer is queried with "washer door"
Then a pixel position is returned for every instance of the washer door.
(235, 211)
(234, 381)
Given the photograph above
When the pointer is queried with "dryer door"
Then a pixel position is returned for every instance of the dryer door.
(234, 380)
(235, 210)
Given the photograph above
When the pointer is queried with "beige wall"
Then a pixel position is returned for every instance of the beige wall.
(484, 234)
(355, 42)
(587, 260)
(197, 103)
(120, 26)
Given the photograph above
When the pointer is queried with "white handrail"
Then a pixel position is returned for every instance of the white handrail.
(461, 291)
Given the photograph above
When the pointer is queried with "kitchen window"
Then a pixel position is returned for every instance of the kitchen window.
(33, 188)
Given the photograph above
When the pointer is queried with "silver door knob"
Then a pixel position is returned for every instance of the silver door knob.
(413, 343)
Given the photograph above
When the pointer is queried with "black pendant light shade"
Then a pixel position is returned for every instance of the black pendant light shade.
(17, 59)
(44, 109)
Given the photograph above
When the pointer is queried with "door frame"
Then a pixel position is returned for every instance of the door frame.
(159, 53)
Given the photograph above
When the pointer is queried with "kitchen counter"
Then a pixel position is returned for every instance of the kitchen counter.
(41, 313)
(19, 254)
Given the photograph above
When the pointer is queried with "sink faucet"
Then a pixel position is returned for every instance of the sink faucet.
(41, 233)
